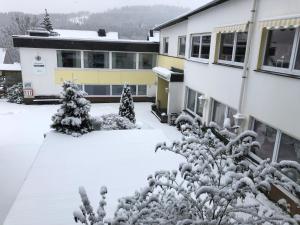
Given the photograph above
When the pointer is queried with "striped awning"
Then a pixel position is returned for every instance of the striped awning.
(232, 28)
(280, 23)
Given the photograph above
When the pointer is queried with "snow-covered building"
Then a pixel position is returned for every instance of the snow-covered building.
(239, 60)
(99, 62)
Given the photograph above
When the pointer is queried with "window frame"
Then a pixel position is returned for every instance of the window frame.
(136, 58)
(165, 40)
(226, 112)
(231, 62)
(70, 50)
(199, 59)
(178, 46)
(139, 56)
(292, 63)
(95, 68)
(194, 112)
(116, 95)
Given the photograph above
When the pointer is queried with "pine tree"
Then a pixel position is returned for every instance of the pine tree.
(47, 22)
(15, 93)
(126, 108)
(73, 116)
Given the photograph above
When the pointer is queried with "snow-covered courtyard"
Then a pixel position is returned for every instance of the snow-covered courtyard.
(43, 182)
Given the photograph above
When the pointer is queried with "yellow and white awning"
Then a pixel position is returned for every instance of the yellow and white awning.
(280, 23)
(232, 28)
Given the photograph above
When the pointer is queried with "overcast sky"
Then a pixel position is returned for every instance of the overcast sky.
(61, 6)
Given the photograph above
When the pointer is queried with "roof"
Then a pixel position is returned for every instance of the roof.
(191, 13)
(168, 75)
(10, 67)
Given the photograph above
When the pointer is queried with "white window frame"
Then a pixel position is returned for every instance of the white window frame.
(186, 101)
(178, 46)
(231, 62)
(164, 45)
(138, 59)
(111, 62)
(71, 50)
(109, 59)
(225, 112)
(199, 59)
(291, 69)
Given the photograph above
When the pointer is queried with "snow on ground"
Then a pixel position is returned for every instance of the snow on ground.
(101, 158)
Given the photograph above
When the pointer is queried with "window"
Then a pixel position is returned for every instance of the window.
(70, 59)
(97, 89)
(282, 51)
(200, 46)
(181, 45)
(233, 47)
(147, 60)
(193, 102)
(116, 89)
(96, 59)
(142, 89)
(132, 89)
(221, 111)
(266, 136)
(123, 60)
(165, 45)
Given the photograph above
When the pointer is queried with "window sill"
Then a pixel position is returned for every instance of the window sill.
(198, 60)
(228, 65)
(278, 73)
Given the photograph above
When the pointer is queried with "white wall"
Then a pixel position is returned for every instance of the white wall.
(173, 32)
(175, 97)
(42, 84)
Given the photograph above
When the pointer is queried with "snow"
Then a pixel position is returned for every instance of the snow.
(2, 55)
(10, 67)
(51, 186)
(165, 73)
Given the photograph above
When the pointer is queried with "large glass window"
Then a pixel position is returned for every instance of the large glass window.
(200, 46)
(191, 95)
(181, 45)
(200, 105)
(165, 45)
(97, 89)
(266, 136)
(233, 47)
(297, 61)
(116, 89)
(123, 60)
(222, 111)
(70, 59)
(147, 60)
(193, 102)
(142, 89)
(96, 59)
(279, 48)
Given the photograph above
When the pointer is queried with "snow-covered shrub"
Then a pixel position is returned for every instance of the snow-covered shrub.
(215, 185)
(126, 108)
(112, 122)
(185, 123)
(15, 93)
(73, 115)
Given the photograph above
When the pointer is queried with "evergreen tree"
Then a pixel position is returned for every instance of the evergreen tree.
(126, 108)
(73, 116)
(15, 93)
(47, 22)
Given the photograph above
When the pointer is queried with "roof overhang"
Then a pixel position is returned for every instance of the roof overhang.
(168, 75)
(187, 15)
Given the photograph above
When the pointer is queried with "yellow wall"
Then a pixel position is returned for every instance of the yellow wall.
(162, 96)
(85, 76)
(168, 62)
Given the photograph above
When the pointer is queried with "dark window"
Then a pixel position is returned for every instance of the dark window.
(165, 45)
(219, 110)
(241, 42)
(142, 89)
(266, 136)
(226, 46)
(195, 46)
(70, 59)
(123, 60)
(191, 99)
(279, 48)
(97, 89)
(205, 47)
(116, 89)
(181, 45)
(297, 62)
(96, 60)
(147, 60)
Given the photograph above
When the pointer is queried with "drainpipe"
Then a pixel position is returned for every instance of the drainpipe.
(239, 117)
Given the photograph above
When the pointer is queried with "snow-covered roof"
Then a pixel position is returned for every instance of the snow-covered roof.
(163, 72)
(2, 55)
(10, 67)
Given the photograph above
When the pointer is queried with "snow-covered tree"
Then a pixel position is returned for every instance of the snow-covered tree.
(215, 185)
(73, 116)
(126, 108)
(47, 22)
(15, 93)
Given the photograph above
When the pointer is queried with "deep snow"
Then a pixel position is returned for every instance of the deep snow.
(22, 129)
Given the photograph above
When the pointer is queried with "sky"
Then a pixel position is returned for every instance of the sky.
(67, 6)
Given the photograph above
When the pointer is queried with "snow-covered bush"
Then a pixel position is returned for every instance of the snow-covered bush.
(15, 93)
(73, 115)
(215, 185)
(126, 108)
(112, 122)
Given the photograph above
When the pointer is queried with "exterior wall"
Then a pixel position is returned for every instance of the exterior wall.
(168, 62)
(161, 95)
(175, 97)
(173, 32)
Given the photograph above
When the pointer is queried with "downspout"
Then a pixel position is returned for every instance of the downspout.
(239, 116)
